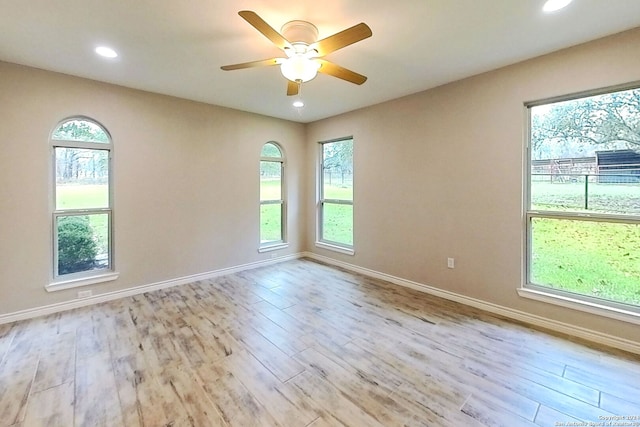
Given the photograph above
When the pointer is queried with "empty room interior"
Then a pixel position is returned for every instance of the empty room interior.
(361, 213)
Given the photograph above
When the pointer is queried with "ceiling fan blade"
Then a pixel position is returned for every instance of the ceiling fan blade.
(342, 39)
(252, 64)
(292, 88)
(335, 70)
(266, 29)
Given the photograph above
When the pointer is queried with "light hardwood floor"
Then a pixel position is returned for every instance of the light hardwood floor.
(302, 344)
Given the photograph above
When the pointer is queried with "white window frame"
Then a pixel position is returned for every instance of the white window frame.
(273, 245)
(321, 201)
(585, 303)
(83, 278)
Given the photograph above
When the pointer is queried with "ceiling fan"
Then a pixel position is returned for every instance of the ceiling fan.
(303, 50)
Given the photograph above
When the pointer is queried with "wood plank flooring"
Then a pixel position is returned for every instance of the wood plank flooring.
(303, 344)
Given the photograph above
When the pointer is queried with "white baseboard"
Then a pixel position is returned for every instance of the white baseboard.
(137, 290)
(531, 319)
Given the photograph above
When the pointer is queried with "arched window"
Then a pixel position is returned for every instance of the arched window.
(272, 200)
(82, 202)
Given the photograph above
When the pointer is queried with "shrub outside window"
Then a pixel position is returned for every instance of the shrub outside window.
(82, 211)
(272, 203)
(583, 207)
(335, 207)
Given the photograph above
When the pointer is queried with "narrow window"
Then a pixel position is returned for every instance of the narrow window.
(272, 202)
(583, 207)
(82, 211)
(335, 207)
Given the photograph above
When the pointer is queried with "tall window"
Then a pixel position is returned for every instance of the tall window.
(272, 203)
(82, 211)
(583, 209)
(335, 208)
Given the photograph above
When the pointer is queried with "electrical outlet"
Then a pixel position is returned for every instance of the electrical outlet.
(451, 263)
(85, 294)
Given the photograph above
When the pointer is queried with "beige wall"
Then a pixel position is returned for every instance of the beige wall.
(185, 181)
(440, 174)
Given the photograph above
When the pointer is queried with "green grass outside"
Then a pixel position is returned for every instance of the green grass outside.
(339, 192)
(82, 196)
(86, 197)
(338, 223)
(270, 189)
(586, 257)
(270, 223)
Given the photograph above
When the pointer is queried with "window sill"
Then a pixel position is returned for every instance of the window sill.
(581, 305)
(335, 248)
(81, 281)
(274, 247)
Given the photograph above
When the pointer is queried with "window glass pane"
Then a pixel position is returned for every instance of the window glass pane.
(270, 150)
(586, 154)
(80, 130)
(83, 243)
(597, 259)
(270, 180)
(337, 165)
(271, 223)
(337, 223)
(82, 178)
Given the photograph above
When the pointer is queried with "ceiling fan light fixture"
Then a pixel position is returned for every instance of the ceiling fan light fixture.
(299, 68)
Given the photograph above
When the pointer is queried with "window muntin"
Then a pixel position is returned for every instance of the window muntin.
(583, 207)
(272, 202)
(82, 207)
(335, 207)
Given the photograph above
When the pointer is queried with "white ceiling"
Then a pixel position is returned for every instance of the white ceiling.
(177, 47)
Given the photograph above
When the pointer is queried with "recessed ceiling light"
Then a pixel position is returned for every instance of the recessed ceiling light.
(107, 52)
(553, 5)
(298, 104)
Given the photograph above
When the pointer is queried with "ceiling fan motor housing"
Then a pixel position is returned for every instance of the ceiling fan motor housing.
(300, 32)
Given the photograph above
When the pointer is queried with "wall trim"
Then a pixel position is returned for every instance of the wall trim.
(531, 319)
(137, 290)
